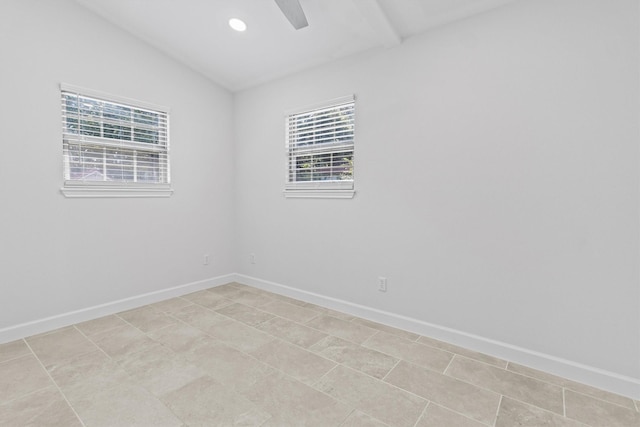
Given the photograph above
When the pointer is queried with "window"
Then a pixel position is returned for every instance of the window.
(319, 142)
(113, 147)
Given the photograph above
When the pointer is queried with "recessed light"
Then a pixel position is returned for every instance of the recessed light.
(237, 24)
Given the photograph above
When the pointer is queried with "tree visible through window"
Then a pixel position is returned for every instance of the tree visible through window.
(320, 145)
(112, 142)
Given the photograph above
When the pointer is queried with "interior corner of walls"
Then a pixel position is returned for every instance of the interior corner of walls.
(12, 333)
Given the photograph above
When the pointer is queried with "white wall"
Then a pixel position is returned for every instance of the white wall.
(58, 255)
(496, 175)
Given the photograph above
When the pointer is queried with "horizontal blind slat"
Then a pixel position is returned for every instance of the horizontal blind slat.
(113, 142)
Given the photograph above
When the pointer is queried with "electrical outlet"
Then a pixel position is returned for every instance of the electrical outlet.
(252, 258)
(382, 284)
(205, 259)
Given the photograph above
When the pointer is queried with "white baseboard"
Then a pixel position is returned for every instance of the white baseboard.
(23, 330)
(595, 377)
(615, 383)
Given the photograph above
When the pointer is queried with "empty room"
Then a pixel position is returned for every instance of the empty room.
(332, 213)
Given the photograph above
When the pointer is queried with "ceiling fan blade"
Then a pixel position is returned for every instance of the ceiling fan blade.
(294, 13)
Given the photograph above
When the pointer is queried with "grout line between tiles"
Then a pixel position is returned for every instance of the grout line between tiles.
(424, 411)
(570, 388)
(598, 399)
(365, 341)
(474, 385)
(18, 356)
(390, 370)
(8, 401)
(545, 410)
(466, 415)
(56, 385)
(495, 419)
(449, 364)
(348, 415)
(94, 343)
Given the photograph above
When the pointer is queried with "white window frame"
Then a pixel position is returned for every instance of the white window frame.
(89, 188)
(342, 189)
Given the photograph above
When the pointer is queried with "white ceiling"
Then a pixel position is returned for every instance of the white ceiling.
(196, 32)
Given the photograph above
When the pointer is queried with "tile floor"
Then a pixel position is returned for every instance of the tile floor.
(236, 355)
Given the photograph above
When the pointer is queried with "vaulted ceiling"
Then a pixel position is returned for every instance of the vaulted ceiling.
(196, 32)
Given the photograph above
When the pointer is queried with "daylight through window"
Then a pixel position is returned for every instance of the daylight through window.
(320, 143)
(107, 142)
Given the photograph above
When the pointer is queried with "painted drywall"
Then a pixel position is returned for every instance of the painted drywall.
(496, 173)
(59, 255)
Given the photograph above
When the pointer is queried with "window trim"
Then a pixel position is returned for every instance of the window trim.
(100, 189)
(317, 189)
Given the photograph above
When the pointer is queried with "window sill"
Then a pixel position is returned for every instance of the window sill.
(93, 191)
(319, 194)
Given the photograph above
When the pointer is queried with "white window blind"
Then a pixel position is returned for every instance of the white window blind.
(320, 145)
(113, 143)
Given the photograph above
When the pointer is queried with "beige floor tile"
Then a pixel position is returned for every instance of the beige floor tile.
(160, 370)
(289, 311)
(43, 408)
(466, 399)
(123, 341)
(387, 403)
(525, 389)
(255, 291)
(572, 385)
(205, 402)
(213, 365)
(199, 317)
(413, 352)
(58, 346)
(82, 367)
(81, 387)
(208, 299)
(13, 349)
(21, 376)
(355, 356)
(146, 319)
(293, 404)
(251, 299)
(437, 416)
(229, 366)
(228, 290)
(171, 305)
(289, 300)
(329, 312)
(240, 286)
(388, 329)
(245, 314)
(341, 328)
(55, 331)
(514, 413)
(598, 413)
(300, 364)
(123, 405)
(360, 419)
(481, 357)
(240, 336)
(292, 332)
(179, 337)
(101, 324)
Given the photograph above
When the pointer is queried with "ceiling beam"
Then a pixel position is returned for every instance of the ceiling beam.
(379, 22)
